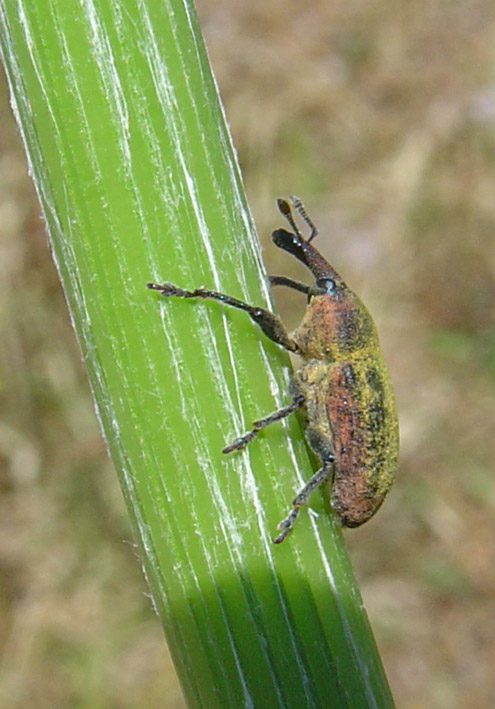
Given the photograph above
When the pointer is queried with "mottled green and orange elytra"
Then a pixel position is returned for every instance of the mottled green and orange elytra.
(343, 384)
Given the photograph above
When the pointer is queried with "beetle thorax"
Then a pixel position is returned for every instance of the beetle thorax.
(335, 329)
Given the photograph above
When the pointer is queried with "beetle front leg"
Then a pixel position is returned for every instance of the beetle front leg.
(302, 497)
(241, 442)
(270, 324)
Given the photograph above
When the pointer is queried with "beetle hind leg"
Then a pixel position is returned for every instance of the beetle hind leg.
(286, 525)
(302, 497)
(241, 442)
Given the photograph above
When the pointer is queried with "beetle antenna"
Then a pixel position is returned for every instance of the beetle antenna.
(299, 206)
(285, 210)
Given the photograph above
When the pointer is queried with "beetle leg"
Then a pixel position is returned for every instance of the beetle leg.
(302, 497)
(289, 282)
(240, 443)
(270, 324)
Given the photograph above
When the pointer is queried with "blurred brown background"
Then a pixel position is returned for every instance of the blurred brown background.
(381, 115)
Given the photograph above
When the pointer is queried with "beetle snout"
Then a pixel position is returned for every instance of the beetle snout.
(306, 253)
(288, 241)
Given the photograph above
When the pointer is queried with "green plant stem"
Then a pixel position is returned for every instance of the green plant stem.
(133, 164)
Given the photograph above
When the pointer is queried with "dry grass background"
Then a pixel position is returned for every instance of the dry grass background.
(382, 116)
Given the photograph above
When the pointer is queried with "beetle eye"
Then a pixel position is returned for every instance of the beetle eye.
(326, 284)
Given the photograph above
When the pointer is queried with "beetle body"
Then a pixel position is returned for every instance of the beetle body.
(343, 384)
(349, 402)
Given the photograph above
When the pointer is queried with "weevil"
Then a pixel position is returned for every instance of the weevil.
(343, 385)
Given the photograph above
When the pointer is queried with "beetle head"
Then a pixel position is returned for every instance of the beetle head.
(327, 280)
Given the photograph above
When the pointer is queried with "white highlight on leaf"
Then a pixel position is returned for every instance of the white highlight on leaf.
(109, 77)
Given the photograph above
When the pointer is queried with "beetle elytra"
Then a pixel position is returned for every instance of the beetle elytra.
(343, 384)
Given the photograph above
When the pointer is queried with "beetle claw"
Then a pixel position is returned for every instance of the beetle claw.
(286, 525)
(237, 444)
